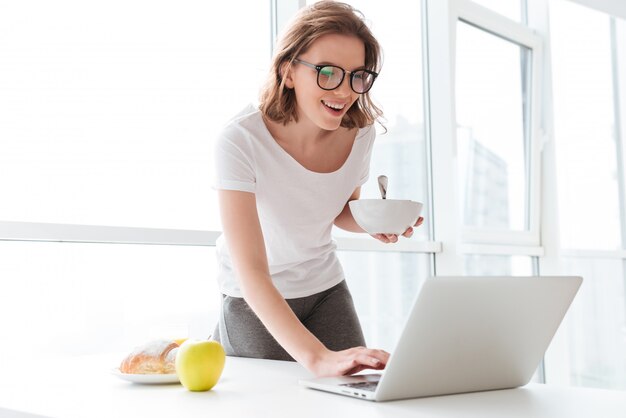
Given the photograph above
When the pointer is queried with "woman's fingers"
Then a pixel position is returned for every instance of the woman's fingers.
(382, 238)
(386, 238)
(409, 232)
(372, 358)
(353, 360)
(381, 355)
(391, 238)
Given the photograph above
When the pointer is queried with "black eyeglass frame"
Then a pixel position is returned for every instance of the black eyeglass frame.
(318, 68)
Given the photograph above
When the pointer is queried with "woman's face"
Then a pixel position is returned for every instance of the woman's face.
(326, 108)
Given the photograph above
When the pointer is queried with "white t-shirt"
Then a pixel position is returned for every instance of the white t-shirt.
(296, 206)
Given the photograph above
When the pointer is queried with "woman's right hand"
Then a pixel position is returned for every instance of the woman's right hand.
(350, 361)
(391, 238)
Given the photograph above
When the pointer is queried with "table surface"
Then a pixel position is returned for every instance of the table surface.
(85, 387)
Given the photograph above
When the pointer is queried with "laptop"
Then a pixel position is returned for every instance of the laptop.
(466, 334)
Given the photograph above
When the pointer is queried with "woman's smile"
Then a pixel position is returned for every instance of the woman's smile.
(334, 108)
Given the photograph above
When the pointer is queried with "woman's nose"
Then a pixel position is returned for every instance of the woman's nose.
(344, 88)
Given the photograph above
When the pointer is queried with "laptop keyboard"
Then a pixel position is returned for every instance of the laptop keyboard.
(369, 386)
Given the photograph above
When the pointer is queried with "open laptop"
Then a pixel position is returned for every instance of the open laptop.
(467, 334)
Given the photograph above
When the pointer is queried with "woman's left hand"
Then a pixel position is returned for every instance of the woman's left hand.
(390, 238)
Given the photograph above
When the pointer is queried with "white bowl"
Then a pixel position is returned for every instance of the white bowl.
(385, 216)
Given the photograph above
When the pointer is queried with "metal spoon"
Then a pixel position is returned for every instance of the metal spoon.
(382, 185)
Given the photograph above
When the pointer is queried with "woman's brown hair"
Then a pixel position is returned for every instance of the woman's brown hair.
(277, 102)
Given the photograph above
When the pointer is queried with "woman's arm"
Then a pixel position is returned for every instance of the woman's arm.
(345, 220)
(242, 231)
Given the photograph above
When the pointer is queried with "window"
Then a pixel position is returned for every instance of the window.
(585, 127)
(596, 327)
(107, 113)
(107, 117)
(384, 286)
(498, 265)
(588, 78)
(492, 82)
(91, 298)
(497, 140)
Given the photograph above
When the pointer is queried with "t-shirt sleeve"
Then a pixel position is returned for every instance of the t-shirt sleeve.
(233, 163)
(368, 136)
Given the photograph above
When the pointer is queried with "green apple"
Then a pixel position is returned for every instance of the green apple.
(199, 364)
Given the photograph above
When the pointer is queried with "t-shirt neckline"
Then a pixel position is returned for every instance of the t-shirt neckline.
(288, 156)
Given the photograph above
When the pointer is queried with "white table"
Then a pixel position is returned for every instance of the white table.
(83, 387)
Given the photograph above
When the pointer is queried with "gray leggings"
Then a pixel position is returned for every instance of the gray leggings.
(329, 315)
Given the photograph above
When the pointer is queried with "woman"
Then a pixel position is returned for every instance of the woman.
(285, 173)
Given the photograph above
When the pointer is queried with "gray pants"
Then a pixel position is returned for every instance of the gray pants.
(329, 315)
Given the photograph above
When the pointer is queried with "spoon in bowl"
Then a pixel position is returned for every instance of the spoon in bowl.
(382, 185)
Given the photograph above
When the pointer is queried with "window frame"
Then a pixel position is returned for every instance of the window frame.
(443, 17)
(517, 33)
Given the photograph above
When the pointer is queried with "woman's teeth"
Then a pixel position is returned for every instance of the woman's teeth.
(336, 106)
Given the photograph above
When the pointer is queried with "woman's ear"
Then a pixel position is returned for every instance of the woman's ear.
(286, 74)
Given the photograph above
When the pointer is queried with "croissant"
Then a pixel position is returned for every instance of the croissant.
(155, 357)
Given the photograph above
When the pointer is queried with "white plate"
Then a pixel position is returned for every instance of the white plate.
(147, 379)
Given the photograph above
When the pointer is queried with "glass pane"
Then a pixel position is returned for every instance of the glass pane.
(107, 112)
(492, 141)
(400, 154)
(596, 324)
(584, 127)
(384, 286)
(509, 8)
(66, 299)
(498, 265)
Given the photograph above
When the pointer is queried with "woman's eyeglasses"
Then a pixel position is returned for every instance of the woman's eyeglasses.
(329, 77)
